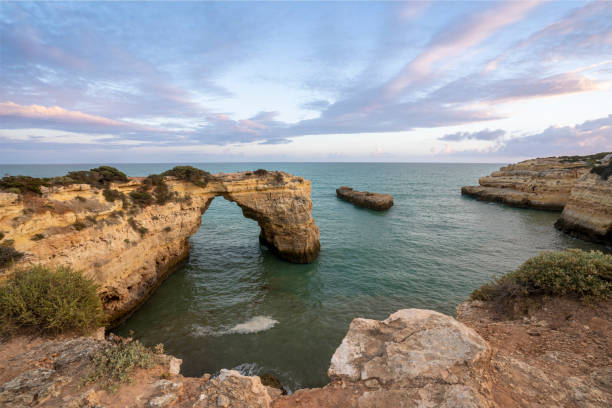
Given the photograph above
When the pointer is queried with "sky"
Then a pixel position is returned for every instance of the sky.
(420, 81)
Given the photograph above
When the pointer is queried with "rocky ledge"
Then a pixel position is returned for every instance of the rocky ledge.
(128, 239)
(558, 356)
(365, 199)
(580, 186)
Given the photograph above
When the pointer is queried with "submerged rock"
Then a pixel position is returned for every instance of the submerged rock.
(366, 199)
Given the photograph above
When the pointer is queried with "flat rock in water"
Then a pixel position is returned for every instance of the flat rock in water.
(366, 199)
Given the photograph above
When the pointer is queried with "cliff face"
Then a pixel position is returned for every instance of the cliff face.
(130, 253)
(588, 212)
(557, 183)
(537, 183)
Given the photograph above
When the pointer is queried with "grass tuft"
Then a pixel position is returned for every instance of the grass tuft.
(113, 365)
(49, 301)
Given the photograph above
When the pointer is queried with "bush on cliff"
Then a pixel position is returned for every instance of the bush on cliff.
(189, 173)
(114, 364)
(8, 255)
(573, 273)
(603, 171)
(49, 301)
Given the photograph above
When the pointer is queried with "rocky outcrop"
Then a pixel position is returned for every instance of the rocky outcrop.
(414, 358)
(365, 199)
(538, 183)
(580, 186)
(129, 252)
(588, 212)
(558, 356)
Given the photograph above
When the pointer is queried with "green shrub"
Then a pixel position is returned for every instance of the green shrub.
(113, 365)
(81, 199)
(189, 173)
(111, 195)
(79, 225)
(603, 171)
(98, 177)
(23, 184)
(574, 273)
(8, 254)
(48, 300)
(168, 229)
(141, 198)
(260, 172)
(37, 237)
(137, 227)
(278, 178)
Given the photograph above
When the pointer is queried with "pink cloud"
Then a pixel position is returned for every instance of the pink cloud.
(465, 35)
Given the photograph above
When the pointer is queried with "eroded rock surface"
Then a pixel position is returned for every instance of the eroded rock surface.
(588, 212)
(414, 358)
(130, 252)
(365, 199)
(537, 183)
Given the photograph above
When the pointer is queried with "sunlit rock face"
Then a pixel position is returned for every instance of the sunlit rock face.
(130, 252)
(537, 183)
(588, 212)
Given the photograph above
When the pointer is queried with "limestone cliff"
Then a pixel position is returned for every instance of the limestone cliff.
(588, 212)
(578, 185)
(129, 252)
(537, 183)
(365, 199)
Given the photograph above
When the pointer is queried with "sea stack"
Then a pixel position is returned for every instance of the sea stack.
(365, 199)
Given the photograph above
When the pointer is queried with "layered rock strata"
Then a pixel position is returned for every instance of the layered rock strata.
(365, 199)
(130, 252)
(538, 183)
(588, 212)
(579, 186)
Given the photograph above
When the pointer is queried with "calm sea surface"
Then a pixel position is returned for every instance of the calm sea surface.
(234, 305)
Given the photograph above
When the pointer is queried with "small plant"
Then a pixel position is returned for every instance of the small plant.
(155, 218)
(8, 254)
(92, 219)
(260, 172)
(167, 229)
(189, 173)
(574, 273)
(112, 195)
(116, 214)
(79, 225)
(49, 301)
(81, 199)
(603, 171)
(159, 348)
(113, 365)
(141, 198)
(137, 227)
(37, 237)
(278, 178)
(8, 242)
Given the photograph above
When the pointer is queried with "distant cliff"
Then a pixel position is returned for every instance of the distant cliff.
(578, 185)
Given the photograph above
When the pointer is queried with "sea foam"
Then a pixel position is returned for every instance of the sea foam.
(254, 325)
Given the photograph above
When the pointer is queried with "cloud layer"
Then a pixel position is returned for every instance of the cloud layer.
(225, 74)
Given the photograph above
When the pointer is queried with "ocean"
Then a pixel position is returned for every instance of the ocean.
(235, 305)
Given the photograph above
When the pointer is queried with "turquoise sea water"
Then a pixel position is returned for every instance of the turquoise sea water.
(235, 305)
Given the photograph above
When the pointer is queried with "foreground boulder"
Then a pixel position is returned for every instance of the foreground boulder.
(414, 358)
(365, 199)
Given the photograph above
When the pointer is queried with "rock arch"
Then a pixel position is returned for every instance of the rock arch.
(130, 254)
